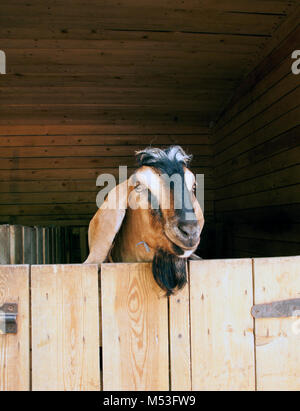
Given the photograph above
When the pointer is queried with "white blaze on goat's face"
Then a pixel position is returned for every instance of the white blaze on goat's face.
(180, 223)
(146, 179)
(189, 179)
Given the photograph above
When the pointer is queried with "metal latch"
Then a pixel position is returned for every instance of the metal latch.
(8, 318)
(277, 309)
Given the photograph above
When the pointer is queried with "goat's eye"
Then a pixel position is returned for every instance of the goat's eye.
(139, 188)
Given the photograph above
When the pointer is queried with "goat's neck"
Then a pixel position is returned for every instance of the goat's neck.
(134, 240)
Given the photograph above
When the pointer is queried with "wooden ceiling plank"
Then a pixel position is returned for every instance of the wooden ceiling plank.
(133, 129)
(137, 19)
(103, 142)
(228, 5)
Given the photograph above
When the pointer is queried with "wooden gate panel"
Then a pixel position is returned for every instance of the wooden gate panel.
(14, 348)
(180, 347)
(277, 339)
(134, 329)
(222, 341)
(65, 327)
(202, 338)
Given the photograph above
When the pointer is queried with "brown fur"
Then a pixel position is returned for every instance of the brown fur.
(119, 232)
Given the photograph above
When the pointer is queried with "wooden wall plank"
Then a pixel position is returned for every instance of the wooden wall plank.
(282, 142)
(46, 251)
(263, 6)
(262, 248)
(86, 45)
(42, 56)
(33, 246)
(273, 180)
(4, 244)
(131, 40)
(283, 42)
(50, 246)
(68, 162)
(27, 245)
(277, 345)
(222, 328)
(93, 150)
(16, 244)
(65, 328)
(132, 17)
(40, 245)
(58, 245)
(257, 105)
(87, 114)
(265, 216)
(80, 185)
(286, 234)
(124, 142)
(285, 105)
(63, 197)
(134, 329)
(68, 244)
(63, 210)
(73, 174)
(282, 195)
(176, 81)
(53, 245)
(61, 129)
(83, 233)
(257, 152)
(14, 348)
(69, 220)
(257, 90)
(180, 345)
(117, 96)
(268, 166)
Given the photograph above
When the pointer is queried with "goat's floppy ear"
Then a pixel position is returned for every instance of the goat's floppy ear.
(106, 223)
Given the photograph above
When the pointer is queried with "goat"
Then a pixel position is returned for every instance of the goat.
(146, 225)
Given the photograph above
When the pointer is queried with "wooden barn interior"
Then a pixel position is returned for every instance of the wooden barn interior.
(88, 82)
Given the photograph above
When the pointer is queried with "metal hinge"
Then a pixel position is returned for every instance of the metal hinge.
(277, 309)
(8, 318)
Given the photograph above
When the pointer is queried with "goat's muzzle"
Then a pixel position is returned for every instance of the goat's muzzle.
(184, 233)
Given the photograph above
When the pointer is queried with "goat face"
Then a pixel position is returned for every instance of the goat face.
(166, 194)
(157, 207)
(169, 185)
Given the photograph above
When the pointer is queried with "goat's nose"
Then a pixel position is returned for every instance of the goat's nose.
(190, 229)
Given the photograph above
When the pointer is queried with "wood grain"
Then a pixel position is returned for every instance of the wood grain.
(222, 340)
(256, 144)
(4, 244)
(115, 74)
(135, 329)
(277, 340)
(65, 328)
(28, 245)
(39, 245)
(180, 344)
(14, 348)
(16, 244)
